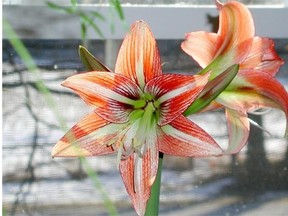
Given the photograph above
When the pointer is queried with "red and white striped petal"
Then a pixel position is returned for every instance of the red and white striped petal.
(174, 93)
(138, 57)
(138, 175)
(263, 57)
(252, 90)
(89, 137)
(184, 138)
(110, 95)
(238, 130)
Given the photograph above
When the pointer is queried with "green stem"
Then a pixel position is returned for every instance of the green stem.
(152, 207)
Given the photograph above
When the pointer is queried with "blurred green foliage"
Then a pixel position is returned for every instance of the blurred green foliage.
(90, 18)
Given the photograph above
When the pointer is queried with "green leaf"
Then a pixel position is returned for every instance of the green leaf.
(90, 21)
(117, 6)
(212, 89)
(55, 6)
(73, 7)
(69, 10)
(73, 3)
(90, 62)
(98, 15)
(83, 31)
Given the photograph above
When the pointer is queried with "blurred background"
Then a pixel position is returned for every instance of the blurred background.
(252, 182)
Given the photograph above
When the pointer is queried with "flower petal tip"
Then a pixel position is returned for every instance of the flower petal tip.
(56, 151)
(218, 4)
(65, 83)
(70, 82)
(141, 21)
(63, 149)
(219, 152)
(215, 151)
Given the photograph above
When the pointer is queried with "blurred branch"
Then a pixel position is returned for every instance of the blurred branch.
(30, 177)
(34, 85)
(20, 196)
(42, 88)
(32, 68)
(12, 111)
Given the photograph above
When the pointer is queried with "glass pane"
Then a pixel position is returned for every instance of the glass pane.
(254, 182)
(36, 184)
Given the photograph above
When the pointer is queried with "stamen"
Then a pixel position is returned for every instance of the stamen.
(260, 127)
(261, 111)
(139, 153)
(136, 137)
(126, 154)
(118, 144)
(125, 140)
(119, 156)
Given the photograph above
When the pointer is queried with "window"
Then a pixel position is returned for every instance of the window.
(34, 183)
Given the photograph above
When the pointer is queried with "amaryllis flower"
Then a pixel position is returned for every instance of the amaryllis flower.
(137, 112)
(255, 85)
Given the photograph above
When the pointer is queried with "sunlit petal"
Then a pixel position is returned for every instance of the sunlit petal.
(184, 138)
(201, 47)
(238, 130)
(89, 137)
(138, 57)
(229, 46)
(110, 95)
(236, 31)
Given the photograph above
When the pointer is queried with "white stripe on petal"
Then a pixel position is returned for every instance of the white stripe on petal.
(183, 137)
(140, 70)
(107, 93)
(106, 135)
(179, 91)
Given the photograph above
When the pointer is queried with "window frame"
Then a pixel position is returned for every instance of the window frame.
(34, 22)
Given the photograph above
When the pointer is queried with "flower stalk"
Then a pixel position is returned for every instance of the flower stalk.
(152, 207)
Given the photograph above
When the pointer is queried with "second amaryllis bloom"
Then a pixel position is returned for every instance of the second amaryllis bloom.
(255, 85)
(137, 112)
